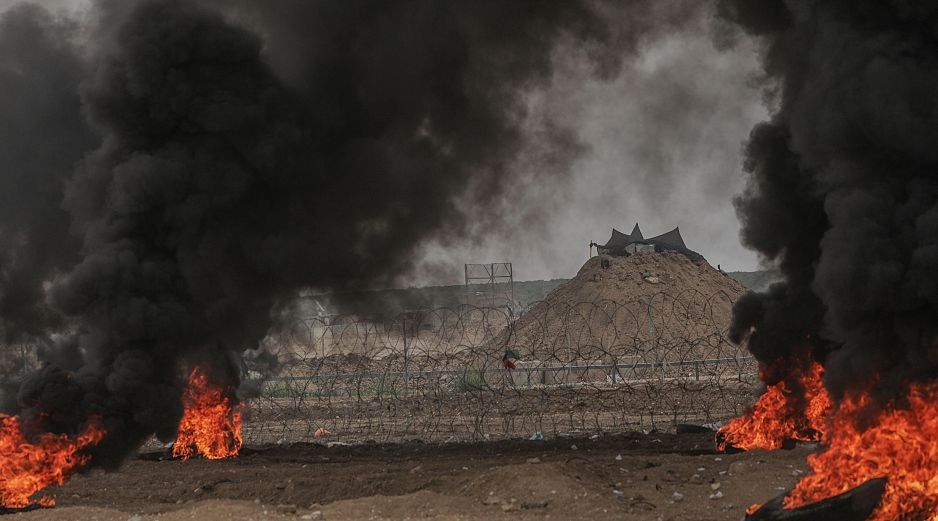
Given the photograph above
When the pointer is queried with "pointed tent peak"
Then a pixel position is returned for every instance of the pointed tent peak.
(636, 234)
(617, 240)
(672, 238)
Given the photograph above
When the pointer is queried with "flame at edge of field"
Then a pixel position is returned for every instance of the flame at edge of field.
(29, 466)
(899, 441)
(211, 423)
(860, 440)
(781, 414)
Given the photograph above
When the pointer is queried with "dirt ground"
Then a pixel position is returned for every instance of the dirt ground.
(637, 476)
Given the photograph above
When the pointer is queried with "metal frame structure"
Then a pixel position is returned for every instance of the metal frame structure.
(490, 284)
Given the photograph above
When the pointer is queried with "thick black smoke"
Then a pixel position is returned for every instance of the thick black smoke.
(42, 137)
(843, 189)
(248, 153)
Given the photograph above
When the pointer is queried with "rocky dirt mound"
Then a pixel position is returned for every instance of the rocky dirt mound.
(648, 302)
(643, 276)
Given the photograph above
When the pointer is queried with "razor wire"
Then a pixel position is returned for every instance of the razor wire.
(438, 374)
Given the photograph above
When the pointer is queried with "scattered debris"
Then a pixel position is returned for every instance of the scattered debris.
(689, 428)
(492, 500)
(510, 506)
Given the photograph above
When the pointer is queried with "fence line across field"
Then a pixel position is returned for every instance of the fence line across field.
(441, 374)
(438, 374)
(614, 368)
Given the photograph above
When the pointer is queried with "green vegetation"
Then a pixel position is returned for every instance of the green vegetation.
(382, 388)
(395, 301)
(304, 389)
(470, 382)
(756, 280)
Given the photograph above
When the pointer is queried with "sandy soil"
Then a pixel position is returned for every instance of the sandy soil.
(646, 308)
(642, 477)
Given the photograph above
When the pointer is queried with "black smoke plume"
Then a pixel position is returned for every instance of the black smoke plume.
(42, 137)
(843, 189)
(243, 151)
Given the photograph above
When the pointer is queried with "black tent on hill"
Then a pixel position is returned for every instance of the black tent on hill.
(622, 244)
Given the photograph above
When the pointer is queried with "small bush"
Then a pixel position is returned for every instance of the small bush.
(470, 382)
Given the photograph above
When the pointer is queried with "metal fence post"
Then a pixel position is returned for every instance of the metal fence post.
(659, 360)
(404, 335)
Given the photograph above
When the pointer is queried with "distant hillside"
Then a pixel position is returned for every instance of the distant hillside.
(756, 280)
(394, 301)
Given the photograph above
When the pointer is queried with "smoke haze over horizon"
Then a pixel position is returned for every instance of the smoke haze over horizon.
(842, 192)
(663, 148)
(176, 171)
(661, 145)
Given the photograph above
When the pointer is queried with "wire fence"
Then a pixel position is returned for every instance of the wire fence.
(441, 374)
(475, 373)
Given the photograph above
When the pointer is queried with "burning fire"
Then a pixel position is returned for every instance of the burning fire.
(899, 442)
(778, 415)
(28, 467)
(210, 425)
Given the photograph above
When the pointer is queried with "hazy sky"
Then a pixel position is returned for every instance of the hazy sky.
(52, 5)
(663, 148)
(665, 141)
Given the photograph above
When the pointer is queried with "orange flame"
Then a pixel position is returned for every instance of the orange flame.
(777, 417)
(26, 467)
(898, 443)
(210, 425)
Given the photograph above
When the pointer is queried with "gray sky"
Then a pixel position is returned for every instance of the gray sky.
(665, 142)
(664, 149)
(51, 5)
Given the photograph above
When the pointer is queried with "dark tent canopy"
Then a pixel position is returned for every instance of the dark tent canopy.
(636, 233)
(672, 238)
(622, 244)
(618, 240)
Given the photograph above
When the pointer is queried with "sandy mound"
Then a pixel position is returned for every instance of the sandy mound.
(651, 304)
(641, 276)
